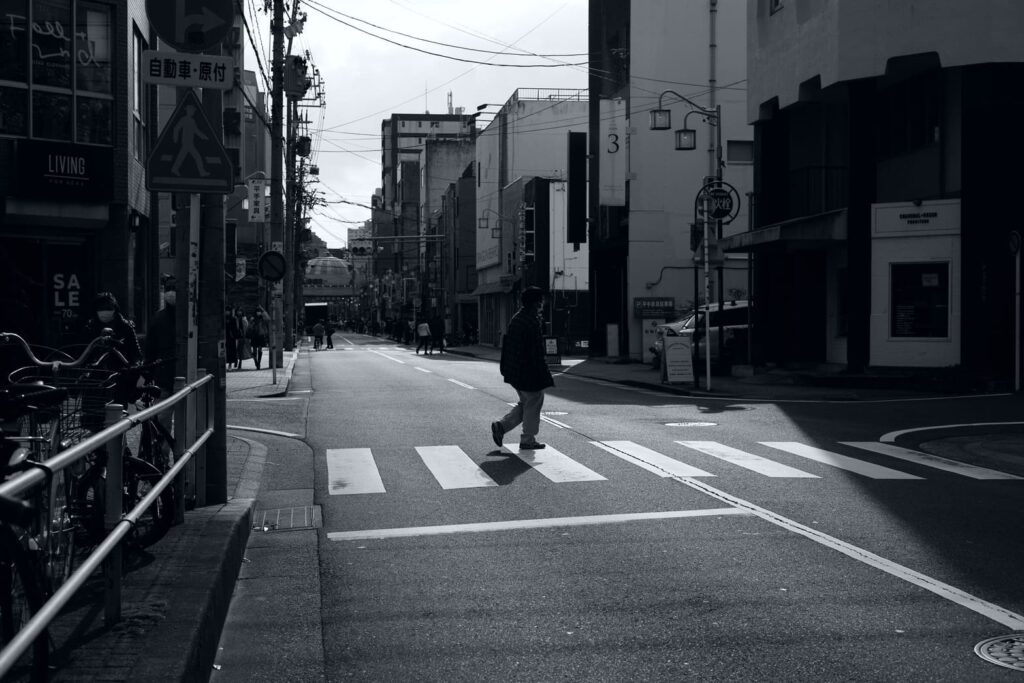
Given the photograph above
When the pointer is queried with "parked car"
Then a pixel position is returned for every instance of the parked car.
(734, 321)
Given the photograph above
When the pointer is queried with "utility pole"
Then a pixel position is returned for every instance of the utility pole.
(291, 278)
(276, 163)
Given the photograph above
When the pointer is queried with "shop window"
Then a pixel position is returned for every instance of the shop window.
(14, 40)
(51, 115)
(52, 34)
(93, 49)
(740, 151)
(919, 305)
(139, 97)
(94, 120)
(13, 111)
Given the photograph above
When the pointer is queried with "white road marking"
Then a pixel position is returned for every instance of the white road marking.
(429, 372)
(992, 611)
(384, 355)
(843, 462)
(264, 400)
(275, 432)
(461, 384)
(752, 462)
(929, 460)
(892, 436)
(515, 525)
(351, 471)
(556, 423)
(652, 461)
(452, 468)
(555, 465)
(691, 424)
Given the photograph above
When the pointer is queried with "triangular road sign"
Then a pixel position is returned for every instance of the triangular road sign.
(189, 156)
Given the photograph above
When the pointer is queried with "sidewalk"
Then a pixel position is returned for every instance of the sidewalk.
(175, 597)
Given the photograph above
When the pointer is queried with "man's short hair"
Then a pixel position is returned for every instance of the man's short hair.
(531, 295)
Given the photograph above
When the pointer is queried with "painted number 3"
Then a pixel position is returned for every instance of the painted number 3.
(613, 143)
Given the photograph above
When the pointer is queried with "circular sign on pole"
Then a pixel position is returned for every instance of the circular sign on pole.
(1014, 242)
(191, 25)
(723, 201)
(271, 266)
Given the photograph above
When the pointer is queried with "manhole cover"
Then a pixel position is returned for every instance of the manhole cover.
(690, 424)
(288, 519)
(1005, 651)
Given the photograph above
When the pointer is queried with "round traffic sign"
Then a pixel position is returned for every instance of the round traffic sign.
(271, 266)
(1014, 241)
(191, 25)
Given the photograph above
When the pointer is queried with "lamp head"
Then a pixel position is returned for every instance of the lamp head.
(686, 139)
(661, 119)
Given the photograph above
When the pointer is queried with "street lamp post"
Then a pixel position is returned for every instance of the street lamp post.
(686, 140)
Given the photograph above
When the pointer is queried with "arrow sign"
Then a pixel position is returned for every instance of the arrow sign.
(188, 156)
(191, 25)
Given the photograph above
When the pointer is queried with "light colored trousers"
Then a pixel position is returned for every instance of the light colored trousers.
(527, 412)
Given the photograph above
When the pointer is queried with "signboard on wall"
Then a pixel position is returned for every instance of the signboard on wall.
(60, 169)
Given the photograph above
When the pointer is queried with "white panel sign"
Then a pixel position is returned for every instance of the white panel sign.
(188, 70)
(257, 200)
(613, 152)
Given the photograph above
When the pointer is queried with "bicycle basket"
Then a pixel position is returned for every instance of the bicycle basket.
(89, 390)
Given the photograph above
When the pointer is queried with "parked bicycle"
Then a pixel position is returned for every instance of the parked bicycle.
(33, 558)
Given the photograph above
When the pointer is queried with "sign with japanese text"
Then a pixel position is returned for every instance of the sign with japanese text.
(187, 70)
(257, 200)
(654, 306)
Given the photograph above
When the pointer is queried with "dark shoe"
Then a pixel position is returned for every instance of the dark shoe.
(497, 433)
(532, 446)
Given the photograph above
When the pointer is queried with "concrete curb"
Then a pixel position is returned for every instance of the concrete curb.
(204, 570)
(286, 377)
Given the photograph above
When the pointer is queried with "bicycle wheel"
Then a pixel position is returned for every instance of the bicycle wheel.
(58, 532)
(20, 599)
(140, 478)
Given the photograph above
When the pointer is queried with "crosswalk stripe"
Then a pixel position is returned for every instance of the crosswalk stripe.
(652, 461)
(554, 465)
(752, 462)
(452, 468)
(351, 471)
(929, 460)
(843, 462)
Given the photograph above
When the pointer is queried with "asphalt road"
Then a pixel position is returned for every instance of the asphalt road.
(792, 551)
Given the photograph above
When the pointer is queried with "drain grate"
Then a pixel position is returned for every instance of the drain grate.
(288, 519)
(1005, 651)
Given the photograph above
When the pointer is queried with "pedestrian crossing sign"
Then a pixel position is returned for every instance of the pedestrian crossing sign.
(189, 156)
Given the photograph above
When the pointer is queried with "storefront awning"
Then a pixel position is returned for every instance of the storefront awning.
(822, 227)
(493, 288)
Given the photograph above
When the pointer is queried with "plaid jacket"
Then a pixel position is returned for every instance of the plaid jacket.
(522, 353)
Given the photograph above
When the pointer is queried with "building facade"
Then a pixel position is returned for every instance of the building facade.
(527, 138)
(643, 198)
(879, 234)
(75, 126)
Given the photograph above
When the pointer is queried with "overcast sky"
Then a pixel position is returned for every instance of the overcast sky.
(368, 78)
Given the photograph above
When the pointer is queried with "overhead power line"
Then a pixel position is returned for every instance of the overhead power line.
(327, 12)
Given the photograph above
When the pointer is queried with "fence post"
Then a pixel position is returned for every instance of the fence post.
(202, 418)
(179, 447)
(111, 516)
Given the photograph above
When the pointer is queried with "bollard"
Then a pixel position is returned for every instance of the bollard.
(111, 516)
(179, 446)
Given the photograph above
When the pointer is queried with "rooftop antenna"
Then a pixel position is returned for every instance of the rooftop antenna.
(450, 109)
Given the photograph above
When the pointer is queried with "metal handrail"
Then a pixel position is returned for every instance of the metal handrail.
(111, 543)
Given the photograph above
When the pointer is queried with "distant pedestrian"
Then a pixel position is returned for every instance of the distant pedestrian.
(244, 351)
(318, 335)
(259, 334)
(437, 334)
(524, 367)
(161, 336)
(108, 316)
(329, 333)
(423, 337)
(232, 334)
